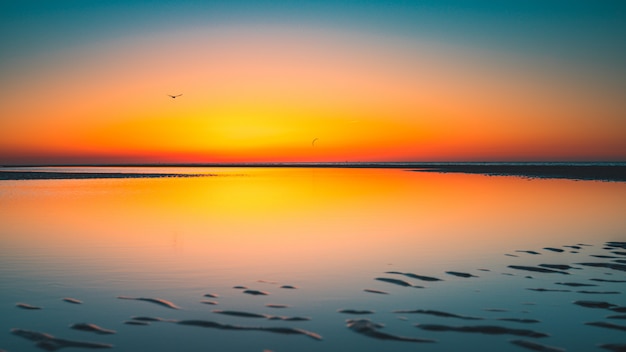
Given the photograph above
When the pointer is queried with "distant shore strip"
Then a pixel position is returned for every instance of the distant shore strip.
(44, 175)
(612, 172)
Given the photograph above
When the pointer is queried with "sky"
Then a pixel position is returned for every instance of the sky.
(87, 82)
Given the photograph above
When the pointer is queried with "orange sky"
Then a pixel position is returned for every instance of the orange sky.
(262, 93)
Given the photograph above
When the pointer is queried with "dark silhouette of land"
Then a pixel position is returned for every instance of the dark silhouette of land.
(603, 172)
(55, 175)
(615, 172)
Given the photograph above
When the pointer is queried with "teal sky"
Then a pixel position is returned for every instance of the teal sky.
(585, 33)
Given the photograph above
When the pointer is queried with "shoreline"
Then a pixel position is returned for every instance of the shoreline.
(52, 175)
(612, 172)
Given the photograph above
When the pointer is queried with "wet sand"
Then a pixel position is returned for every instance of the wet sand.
(373, 329)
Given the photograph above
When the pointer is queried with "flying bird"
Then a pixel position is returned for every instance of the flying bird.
(313, 142)
(174, 96)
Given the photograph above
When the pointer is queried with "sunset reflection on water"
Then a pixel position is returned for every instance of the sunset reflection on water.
(327, 231)
(313, 218)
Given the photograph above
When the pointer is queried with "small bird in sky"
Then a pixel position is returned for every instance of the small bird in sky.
(313, 142)
(174, 96)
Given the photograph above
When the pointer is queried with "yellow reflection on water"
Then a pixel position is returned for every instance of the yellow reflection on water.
(284, 222)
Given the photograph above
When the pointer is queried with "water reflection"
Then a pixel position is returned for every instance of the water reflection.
(327, 232)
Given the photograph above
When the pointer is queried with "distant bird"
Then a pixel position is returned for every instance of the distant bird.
(174, 96)
(313, 142)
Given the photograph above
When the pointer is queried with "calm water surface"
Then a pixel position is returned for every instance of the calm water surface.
(329, 233)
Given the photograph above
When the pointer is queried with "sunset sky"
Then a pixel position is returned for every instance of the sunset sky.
(433, 80)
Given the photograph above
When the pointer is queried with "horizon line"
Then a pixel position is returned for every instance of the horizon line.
(316, 164)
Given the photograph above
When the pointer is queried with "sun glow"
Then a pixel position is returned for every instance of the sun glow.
(264, 93)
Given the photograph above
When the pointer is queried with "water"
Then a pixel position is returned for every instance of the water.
(329, 232)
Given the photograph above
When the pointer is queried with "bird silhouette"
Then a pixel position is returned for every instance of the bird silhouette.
(174, 96)
(313, 142)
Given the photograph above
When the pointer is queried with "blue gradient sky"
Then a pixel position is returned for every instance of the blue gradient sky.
(578, 31)
(571, 45)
